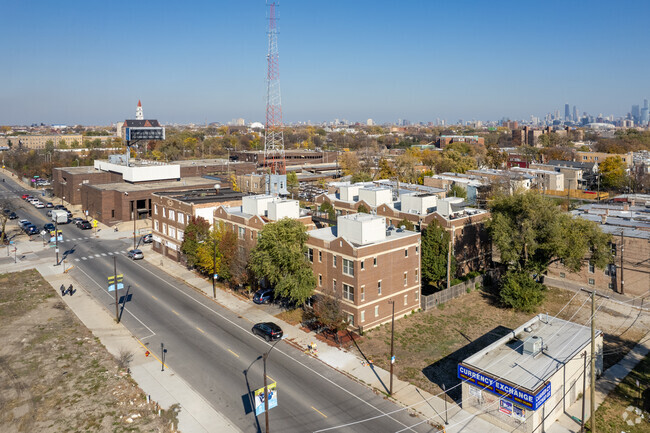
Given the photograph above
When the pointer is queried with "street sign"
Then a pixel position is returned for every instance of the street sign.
(392, 359)
(259, 398)
(215, 276)
(94, 223)
(111, 287)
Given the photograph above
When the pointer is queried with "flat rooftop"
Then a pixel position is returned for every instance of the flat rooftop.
(205, 195)
(188, 182)
(505, 359)
(328, 234)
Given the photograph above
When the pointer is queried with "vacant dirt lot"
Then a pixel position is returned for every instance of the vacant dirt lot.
(429, 345)
(54, 375)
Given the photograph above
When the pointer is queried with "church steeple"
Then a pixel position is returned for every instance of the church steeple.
(138, 112)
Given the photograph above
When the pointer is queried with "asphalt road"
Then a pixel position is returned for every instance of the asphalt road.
(214, 350)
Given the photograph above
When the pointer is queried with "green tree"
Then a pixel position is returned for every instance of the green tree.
(435, 252)
(408, 225)
(49, 146)
(292, 183)
(457, 191)
(327, 207)
(613, 172)
(531, 232)
(361, 176)
(327, 309)
(208, 255)
(386, 170)
(520, 292)
(196, 232)
(362, 209)
(279, 257)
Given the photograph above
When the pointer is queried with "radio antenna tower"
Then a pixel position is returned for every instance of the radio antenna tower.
(273, 136)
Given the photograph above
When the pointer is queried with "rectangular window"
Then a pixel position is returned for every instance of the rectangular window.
(112, 213)
(376, 310)
(417, 276)
(164, 230)
(417, 295)
(172, 232)
(362, 265)
(252, 233)
(310, 255)
(164, 214)
(155, 209)
(417, 249)
(351, 319)
(613, 246)
(363, 316)
(180, 234)
(379, 288)
(334, 286)
(320, 256)
(406, 252)
(334, 261)
(610, 270)
(172, 214)
(406, 299)
(592, 281)
(156, 226)
(362, 293)
(181, 218)
(242, 232)
(348, 267)
(405, 278)
(348, 292)
(320, 280)
(592, 268)
(374, 261)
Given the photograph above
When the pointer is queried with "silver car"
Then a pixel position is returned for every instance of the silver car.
(135, 254)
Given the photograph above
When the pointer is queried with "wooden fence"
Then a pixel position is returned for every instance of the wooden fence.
(431, 301)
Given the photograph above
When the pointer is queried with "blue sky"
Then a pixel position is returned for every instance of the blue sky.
(89, 62)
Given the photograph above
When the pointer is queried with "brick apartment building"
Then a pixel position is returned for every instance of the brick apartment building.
(173, 210)
(292, 157)
(445, 140)
(629, 225)
(366, 265)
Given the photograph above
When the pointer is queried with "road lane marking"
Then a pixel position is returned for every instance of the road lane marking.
(76, 260)
(200, 330)
(173, 311)
(154, 297)
(103, 254)
(125, 309)
(90, 257)
(324, 416)
(233, 353)
(286, 354)
(110, 253)
(84, 258)
(117, 252)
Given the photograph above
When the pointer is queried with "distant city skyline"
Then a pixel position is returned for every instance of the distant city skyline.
(89, 63)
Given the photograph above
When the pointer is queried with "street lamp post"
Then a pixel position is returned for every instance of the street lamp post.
(214, 271)
(392, 339)
(266, 388)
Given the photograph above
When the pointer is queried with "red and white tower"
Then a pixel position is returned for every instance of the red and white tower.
(273, 136)
(138, 112)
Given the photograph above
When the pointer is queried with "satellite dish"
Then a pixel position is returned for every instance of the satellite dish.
(217, 186)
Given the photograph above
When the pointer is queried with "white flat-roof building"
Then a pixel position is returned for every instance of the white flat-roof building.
(530, 376)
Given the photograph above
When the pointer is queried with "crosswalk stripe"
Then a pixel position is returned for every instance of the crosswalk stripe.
(84, 258)
(117, 252)
(97, 255)
(103, 254)
(76, 260)
(110, 253)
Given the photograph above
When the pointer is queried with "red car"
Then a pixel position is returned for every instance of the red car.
(25, 196)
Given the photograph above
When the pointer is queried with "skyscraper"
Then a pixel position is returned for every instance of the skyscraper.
(575, 114)
(636, 114)
(567, 113)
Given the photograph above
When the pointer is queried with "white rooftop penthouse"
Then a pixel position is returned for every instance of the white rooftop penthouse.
(362, 228)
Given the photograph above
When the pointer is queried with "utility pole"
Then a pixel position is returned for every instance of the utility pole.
(392, 340)
(134, 221)
(584, 390)
(56, 238)
(592, 403)
(214, 270)
(622, 250)
(117, 310)
(451, 240)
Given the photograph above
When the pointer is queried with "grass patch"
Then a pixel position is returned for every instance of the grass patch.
(293, 317)
(610, 415)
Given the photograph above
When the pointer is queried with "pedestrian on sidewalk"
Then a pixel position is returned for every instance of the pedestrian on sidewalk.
(62, 288)
(70, 290)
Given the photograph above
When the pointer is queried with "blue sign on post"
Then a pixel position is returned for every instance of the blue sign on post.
(505, 391)
(112, 287)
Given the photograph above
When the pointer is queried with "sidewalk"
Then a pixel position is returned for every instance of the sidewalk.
(164, 387)
(430, 408)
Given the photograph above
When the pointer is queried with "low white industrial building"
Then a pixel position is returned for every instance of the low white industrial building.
(526, 379)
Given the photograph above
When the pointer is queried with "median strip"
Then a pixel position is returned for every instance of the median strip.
(233, 353)
(324, 416)
(200, 329)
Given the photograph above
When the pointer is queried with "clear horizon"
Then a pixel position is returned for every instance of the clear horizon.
(89, 63)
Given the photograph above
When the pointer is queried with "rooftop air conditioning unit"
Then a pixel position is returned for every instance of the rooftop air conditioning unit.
(533, 345)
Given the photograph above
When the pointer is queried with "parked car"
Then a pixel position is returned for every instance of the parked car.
(13, 216)
(39, 205)
(31, 229)
(263, 296)
(75, 221)
(24, 196)
(85, 225)
(49, 227)
(49, 204)
(135, 254)
(59, 206)
(6, 211)
(23, 223)
(147, 239)
(268, 330)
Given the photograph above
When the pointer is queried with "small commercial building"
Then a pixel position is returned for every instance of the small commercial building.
(528, 378)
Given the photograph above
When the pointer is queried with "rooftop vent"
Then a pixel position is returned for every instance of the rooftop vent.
(533, 345)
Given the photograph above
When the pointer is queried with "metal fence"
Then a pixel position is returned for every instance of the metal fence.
(431, 301)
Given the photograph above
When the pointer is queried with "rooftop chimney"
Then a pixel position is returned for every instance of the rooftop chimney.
(603, 219)
(626, 206)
